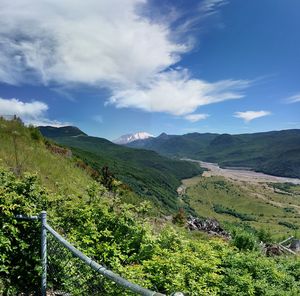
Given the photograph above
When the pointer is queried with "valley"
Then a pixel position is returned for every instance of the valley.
(235, 195)
(241, 174)
(245, 198)
(275, 152)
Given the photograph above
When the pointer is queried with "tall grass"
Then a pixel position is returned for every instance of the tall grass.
(23, 150)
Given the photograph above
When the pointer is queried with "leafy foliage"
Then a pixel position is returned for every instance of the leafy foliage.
(118, 235)
(19, 240)
(245, 241)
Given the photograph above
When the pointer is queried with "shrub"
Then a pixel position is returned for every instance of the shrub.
(19, 240)
(180, 217)
(245, 241)
(264, 235)
(288, 225)
(223, 210)
(114, 234)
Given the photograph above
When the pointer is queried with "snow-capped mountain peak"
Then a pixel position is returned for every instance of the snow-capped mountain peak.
(125, 139)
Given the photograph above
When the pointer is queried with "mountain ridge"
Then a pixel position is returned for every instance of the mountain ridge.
(128, 138)
(53, 132)
(274, 152)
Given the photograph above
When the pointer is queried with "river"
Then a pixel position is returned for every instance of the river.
(241, 174)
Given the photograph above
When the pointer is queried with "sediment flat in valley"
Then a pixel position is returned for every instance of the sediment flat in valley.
(241, 174)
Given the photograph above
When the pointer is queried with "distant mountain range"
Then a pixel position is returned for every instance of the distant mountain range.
(125, 139)
(157, 173)
(275, 152)
(146, 172)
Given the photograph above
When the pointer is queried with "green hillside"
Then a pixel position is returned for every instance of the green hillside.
(23, 150)
(153, 252)
(164, 258)
(146, 172)
(65, 131)
(276, 152)
(175, 146)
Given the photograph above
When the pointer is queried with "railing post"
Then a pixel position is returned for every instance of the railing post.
(44, 253)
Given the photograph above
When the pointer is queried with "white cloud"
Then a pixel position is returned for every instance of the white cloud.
(293, 99)
(176, 93)
(91, 42)
(30, 112)
(45, 122)
(106, 43)
(196, 117)
(193, 20)
(247, 116)
(17, 107)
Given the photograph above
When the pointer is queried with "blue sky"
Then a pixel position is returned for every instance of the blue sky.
(113, 67)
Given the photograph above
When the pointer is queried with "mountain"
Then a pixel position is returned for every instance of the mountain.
(125, 139)
(275, 152)
(174, 145)
(146, 172)
(70, 131)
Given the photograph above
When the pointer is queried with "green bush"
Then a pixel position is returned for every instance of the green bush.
(118, 235)
(288, 225)
(245, 241)
(232, 212)
(19, 240)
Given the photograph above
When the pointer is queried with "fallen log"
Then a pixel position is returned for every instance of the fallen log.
(211, 226)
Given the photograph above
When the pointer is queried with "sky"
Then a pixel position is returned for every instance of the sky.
(113, 67)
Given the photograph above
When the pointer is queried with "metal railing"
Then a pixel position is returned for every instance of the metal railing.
(81, 258)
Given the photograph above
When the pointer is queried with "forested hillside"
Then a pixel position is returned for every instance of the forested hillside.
(146, 172)
(276, 152)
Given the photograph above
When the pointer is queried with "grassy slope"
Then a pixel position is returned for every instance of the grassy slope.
(255, 200)
(59, 174)
(147, 173)
(56, 172)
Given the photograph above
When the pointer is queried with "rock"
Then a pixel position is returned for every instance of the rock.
(211, 226)
(295, 245)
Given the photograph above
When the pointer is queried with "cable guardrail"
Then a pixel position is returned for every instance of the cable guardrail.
(71, 272)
